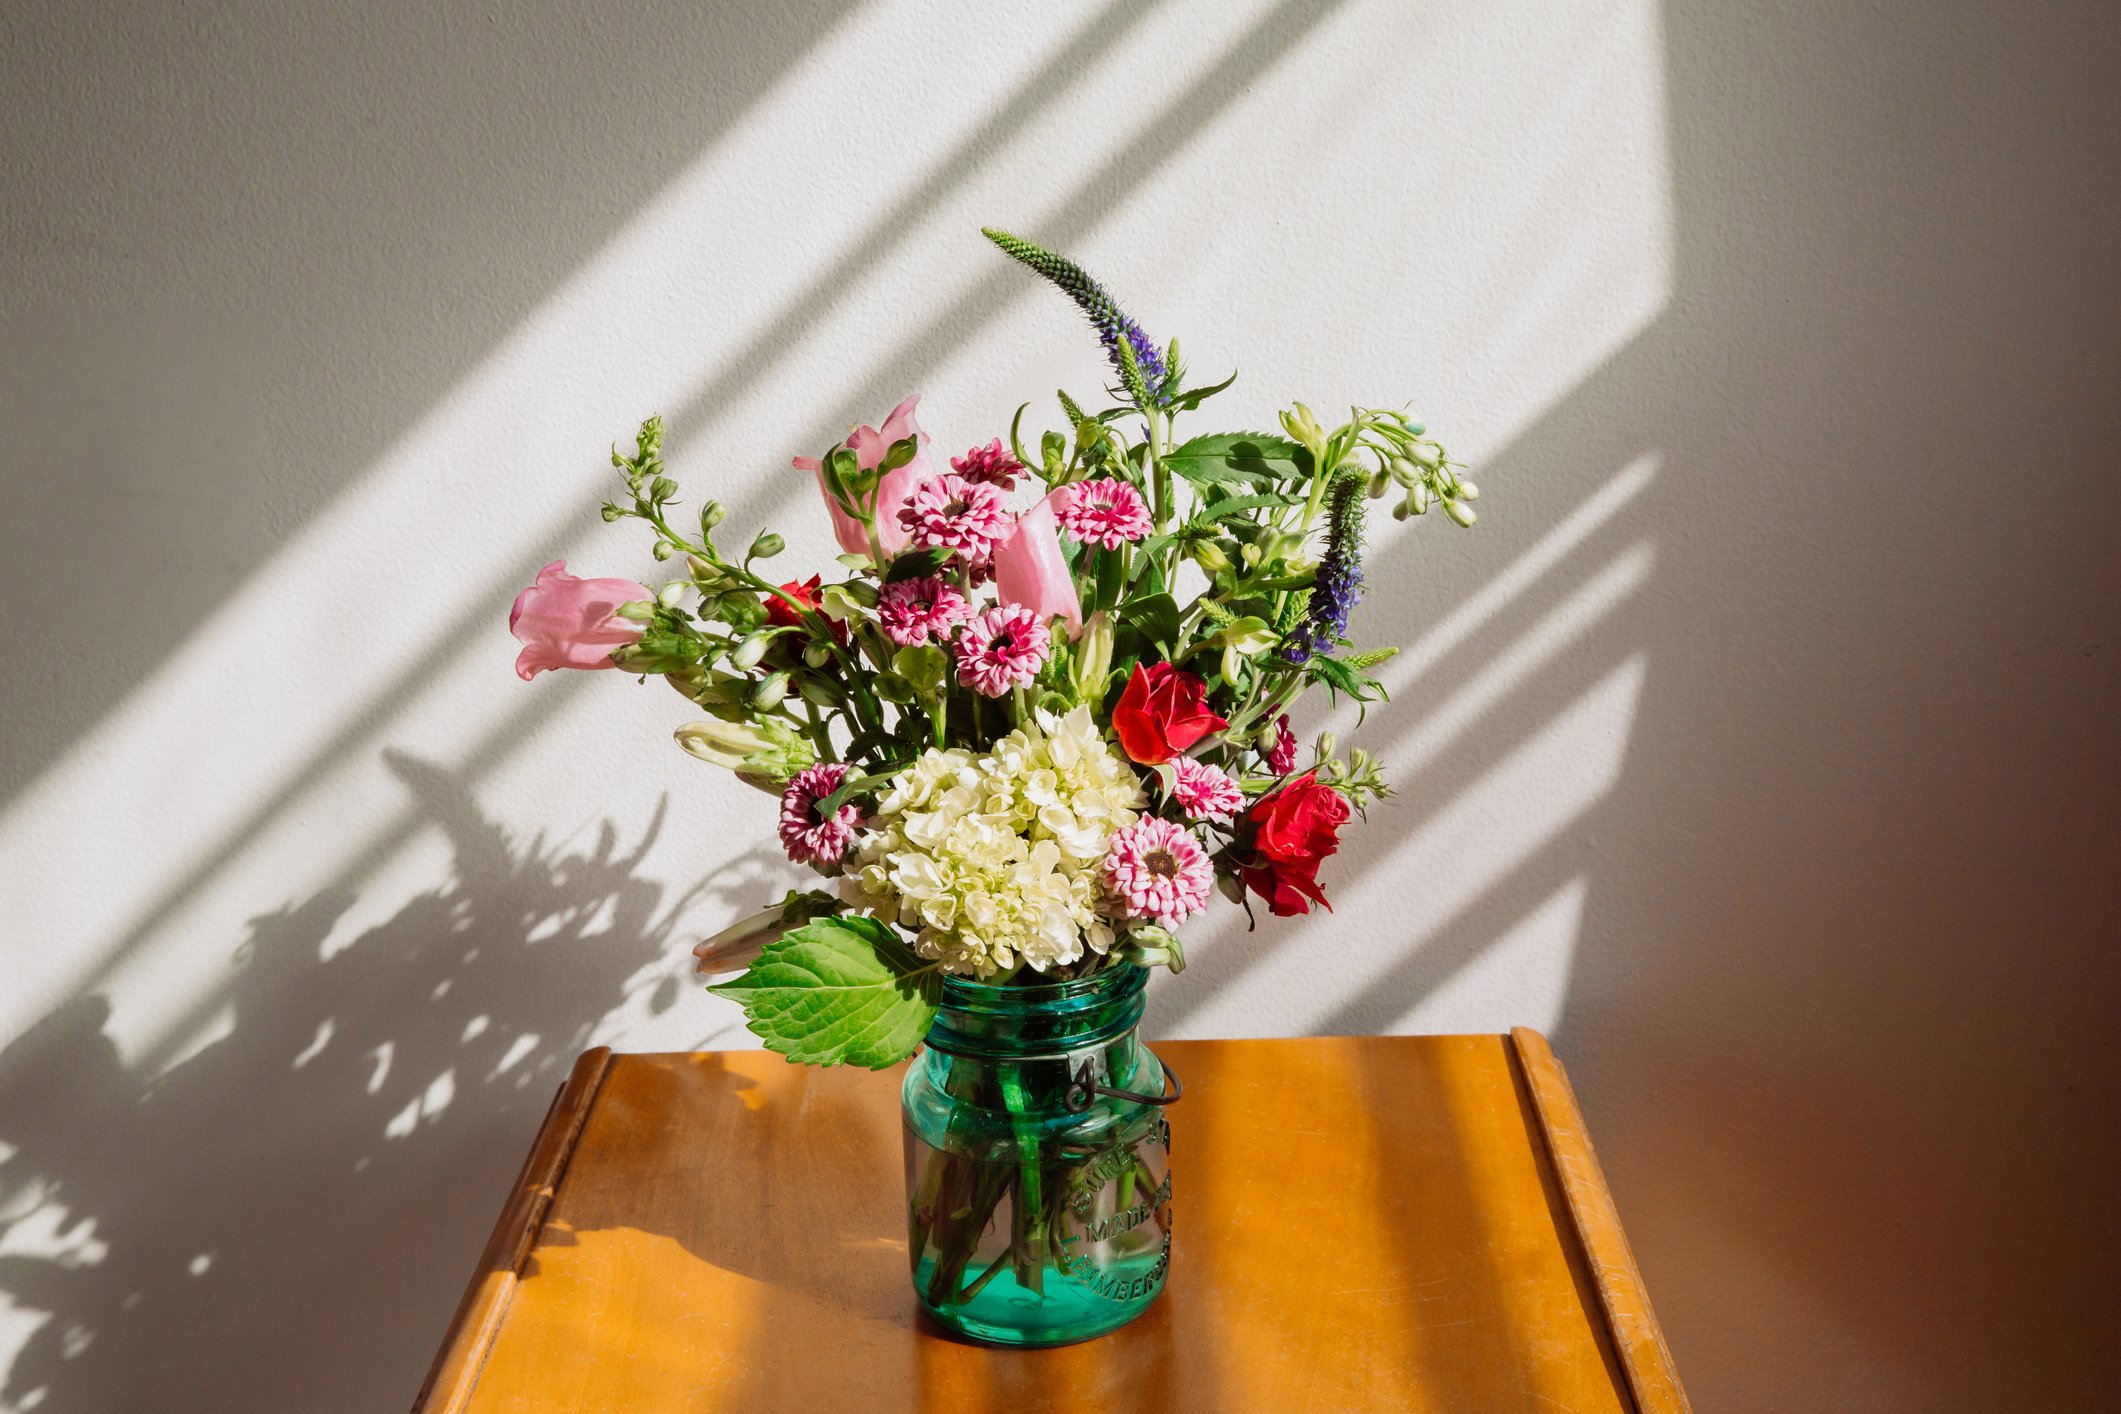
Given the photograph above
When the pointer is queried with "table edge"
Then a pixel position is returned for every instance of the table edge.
(477, 1321)
(1637, 1338)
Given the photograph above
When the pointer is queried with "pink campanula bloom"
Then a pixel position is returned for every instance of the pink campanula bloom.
(1206, 792)
(1159, 870)
(1002, 648)
(869, 445)
(808, 839)
(1281, 757)
(951, 513)
(912, 611)
(566, 622)
(1030, 570)
(1105, 512)
(991, 464)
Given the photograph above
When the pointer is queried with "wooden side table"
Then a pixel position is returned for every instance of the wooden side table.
(1406, 1223)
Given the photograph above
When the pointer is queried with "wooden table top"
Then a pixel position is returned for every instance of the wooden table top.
(1406, 1223)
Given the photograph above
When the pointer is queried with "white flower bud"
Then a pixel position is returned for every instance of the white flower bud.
(771, 692)
(1467, 491)
(750, 651)
(1460, 512)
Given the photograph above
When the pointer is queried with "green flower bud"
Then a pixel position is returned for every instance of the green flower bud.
(1210, 557)
(664, 550)
(1327, 742)
(1380, 483)
(1427, 453)
(1092, 663)
(636, 611)
(817, 655)
(817, 690)
(713, 514)
(1460, 512)
(611, 513)
(662, 488)
(767, 546)
(771, 693)
(1402, 470)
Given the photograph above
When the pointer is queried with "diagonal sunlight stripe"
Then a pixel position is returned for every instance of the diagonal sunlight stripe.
(1462, 622)
(1502, 674)
(1464, 849)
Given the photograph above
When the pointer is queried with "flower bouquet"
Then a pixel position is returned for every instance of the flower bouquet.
(1037, 720)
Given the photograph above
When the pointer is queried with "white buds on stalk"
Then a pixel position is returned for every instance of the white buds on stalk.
(673, 594)
(1426, 453)
(771, 693)
(1460, 512)
(817, 655)
(819, 691)
(636, 611)
(1467, 491)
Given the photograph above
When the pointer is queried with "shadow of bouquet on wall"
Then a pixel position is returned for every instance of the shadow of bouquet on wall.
(283, 1219)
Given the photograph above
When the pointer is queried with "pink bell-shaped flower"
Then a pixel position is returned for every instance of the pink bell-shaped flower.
(1029, 569)
(869, 445)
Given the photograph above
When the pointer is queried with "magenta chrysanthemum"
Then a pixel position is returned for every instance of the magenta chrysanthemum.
(1159, 871)
(951, 513)
(1000, 649)
(991, 465)
(913, 611)
(807, 838)
(1206, 792)
(1107, 512)
(1281, 758)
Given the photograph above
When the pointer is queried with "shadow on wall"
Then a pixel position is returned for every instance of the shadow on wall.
(240, 1232)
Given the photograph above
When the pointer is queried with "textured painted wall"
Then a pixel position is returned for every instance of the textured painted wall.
(1760, 744)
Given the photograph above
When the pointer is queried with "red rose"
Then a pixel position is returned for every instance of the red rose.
(1163, 711)
(780, 612)
(1289, 831)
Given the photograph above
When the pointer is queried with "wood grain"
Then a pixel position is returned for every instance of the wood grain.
(1651, 1378)
(1370, 1223)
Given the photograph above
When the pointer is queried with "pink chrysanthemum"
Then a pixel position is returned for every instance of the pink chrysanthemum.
(913, 611)
(1107, 512)
(1281, 758)
(1206, 792)
(951, 513)
(991, 465)
(807, 838)
(1159, 871)
(1000, 649)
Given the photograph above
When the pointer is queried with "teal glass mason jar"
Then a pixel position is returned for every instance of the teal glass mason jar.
(1038, 1174)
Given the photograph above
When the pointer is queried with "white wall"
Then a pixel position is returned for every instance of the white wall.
(1760, 744)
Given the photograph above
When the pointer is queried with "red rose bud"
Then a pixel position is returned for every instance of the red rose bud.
(1289, 832)
(783, 614)
(1162, 712)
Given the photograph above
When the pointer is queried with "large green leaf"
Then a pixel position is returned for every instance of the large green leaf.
(838, 990)
(1239, 458)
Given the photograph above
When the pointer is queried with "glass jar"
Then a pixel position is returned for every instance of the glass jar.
(1038, 1174)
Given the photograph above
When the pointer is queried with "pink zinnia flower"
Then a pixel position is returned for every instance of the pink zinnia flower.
(1002, 648)
(990, 464)
(1159, 870)
(807, 838)
(1106, 512)
(1281, 758)
(1206, 792)
(914, 610)
(952, 513)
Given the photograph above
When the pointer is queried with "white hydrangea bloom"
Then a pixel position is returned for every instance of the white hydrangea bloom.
(995, 859)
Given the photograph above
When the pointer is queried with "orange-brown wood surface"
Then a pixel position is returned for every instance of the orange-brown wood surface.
(1361, 1223)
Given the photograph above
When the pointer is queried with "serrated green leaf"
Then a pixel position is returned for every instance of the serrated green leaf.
(1190, 398)
(840, 990)
(1247, 458)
